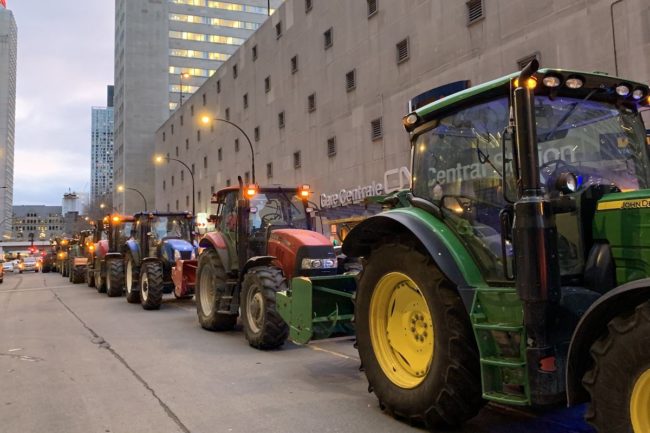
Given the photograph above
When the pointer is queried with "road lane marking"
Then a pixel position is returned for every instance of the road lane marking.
(331, 352)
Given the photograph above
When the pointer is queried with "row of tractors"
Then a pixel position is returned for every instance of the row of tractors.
(515, 270)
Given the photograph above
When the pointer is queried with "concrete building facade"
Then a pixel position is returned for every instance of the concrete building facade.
(101, 150)
(8, 58)
(37, 221)
(321, 88)
(164, 50)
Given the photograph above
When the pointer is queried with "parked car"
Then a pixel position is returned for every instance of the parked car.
(28, 264)
(7, 266)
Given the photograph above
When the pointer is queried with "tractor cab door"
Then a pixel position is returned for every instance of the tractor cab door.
(227, 220)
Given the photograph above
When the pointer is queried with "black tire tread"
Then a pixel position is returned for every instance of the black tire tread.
(215, 321)
(619, 356)
(154, 272)
(275, 330)
(458, 396)
(134, 296)
(115, 275)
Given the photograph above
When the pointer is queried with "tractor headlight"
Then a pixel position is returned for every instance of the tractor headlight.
(318, 263)
(177, 255)
(193, 254)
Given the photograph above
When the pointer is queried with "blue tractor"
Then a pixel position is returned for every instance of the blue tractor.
(158, 242)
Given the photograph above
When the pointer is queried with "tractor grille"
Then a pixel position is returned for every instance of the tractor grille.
(186, 255)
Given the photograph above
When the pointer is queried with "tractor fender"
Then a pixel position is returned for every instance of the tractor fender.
(414, 224)
(152, 259)
(593, 324)
(132, 246)
(114, 256)
(215, 240)
(256, 261)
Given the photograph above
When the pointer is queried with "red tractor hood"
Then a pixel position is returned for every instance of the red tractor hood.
(289, 246)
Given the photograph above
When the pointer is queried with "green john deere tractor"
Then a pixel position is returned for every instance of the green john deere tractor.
(517, 268)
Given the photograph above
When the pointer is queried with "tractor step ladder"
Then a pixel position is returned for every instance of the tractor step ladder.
(497, 318)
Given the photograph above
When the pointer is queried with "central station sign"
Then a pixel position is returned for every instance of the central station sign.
(393, 180)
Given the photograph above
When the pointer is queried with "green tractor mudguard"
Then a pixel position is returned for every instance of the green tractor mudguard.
(444, 247)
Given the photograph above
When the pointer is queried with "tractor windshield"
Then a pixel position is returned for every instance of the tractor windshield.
(277, 208)
(171, 227)
(458, 162)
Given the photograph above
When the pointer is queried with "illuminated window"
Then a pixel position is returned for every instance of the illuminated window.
(177, 52)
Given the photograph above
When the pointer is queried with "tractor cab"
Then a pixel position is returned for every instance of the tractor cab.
(163, 234)
(253, 221)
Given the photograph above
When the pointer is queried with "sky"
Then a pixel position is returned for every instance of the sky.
(65, 62)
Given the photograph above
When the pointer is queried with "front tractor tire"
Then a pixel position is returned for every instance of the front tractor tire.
(415, 339)
(132, 273)
(151, 285)
(263, 326)
(114, 277)
(619, 382)
(210, 286)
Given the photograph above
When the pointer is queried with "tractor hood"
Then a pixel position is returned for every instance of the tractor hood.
(302, 252)
(185, 249)
(623, 219)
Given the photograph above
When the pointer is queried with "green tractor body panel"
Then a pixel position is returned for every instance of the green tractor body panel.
(623, 220)
(457, 250)
(318, 307)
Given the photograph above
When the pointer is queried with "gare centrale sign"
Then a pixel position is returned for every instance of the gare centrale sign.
(393, 180)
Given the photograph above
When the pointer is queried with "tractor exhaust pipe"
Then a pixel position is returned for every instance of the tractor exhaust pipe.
(534, 231)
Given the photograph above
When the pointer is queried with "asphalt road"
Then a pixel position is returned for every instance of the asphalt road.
(75, 361)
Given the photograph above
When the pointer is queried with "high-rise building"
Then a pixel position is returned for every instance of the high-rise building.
(164, 51)
(8, 53)
(101, 150)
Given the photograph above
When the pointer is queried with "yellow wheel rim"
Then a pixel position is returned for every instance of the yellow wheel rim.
(640, 404)
(401, 330)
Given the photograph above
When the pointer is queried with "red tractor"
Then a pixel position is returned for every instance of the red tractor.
(263, 238)
(106, 260)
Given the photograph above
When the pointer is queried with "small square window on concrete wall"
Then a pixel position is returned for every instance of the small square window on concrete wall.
(475, 11)
(269, 170)
(294, 64)
(376, 129)
(296, 159)
(351, 80)
(372, 7)
(402, 50)
(311, 102)
(331, 146)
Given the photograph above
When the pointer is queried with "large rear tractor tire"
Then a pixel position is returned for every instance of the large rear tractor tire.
(415, 340)
(77, 276)
(131, 273)
(151, 285)
(619, 382)
(210, 284)
(114, 277)
(263, 326)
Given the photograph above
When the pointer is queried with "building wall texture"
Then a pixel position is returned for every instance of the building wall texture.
(8, 57)
(593, 35)
(155, 42)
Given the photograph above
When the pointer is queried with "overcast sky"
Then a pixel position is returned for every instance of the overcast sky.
(65, 62)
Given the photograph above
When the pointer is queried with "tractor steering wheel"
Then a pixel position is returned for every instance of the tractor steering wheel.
(269, 218)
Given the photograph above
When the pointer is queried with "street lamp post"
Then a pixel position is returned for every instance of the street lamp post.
(122, 188)
(181, 76)
(207, 120)
(162, 158)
